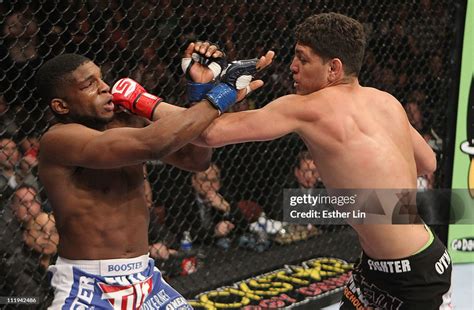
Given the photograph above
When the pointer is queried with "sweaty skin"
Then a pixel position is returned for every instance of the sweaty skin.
(359, 136)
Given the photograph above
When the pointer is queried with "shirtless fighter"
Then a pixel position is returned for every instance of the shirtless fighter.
(361, 139)
(91, 168)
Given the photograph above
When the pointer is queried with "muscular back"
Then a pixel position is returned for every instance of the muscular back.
(360, 138)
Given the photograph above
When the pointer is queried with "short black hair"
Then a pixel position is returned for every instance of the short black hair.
(333, 35)
(52, 74)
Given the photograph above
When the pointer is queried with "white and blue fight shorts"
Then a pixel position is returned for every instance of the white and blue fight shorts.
(124, 284)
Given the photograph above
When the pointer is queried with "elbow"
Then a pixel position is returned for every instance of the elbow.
(194, 158)
(206, 137)
(428, 166)
(432, 164)
(211, 138)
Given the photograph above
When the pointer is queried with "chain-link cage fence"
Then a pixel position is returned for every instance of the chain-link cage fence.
(231, 213)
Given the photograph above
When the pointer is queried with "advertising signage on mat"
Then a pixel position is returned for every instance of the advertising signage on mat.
(290, 286)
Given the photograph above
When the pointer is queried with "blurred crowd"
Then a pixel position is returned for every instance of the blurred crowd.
(408, 55)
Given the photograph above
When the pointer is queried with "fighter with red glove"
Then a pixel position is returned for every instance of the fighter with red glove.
(130, 95)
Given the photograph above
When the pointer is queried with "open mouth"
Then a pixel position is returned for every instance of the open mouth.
(109, 106)
(295, 82)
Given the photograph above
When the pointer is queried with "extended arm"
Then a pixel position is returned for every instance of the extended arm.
(425, 158)
(190, 157)
(276, 119)
(76, 145)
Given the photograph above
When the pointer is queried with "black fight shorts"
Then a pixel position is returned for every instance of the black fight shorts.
(421, 281)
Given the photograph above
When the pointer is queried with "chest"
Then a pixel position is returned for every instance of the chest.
(109, 180)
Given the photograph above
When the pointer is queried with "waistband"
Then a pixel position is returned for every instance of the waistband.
(434, 252)
(108, 267)
(429, 242)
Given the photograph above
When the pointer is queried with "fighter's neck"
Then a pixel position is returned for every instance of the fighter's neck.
(345, 80)
(88, 122)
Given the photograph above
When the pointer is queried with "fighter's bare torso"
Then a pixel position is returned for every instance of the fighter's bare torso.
(362, 140)
(359, 137)
(100, 213)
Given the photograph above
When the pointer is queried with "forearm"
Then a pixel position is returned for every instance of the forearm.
(199, 157)
(276, 119)
(171, 133)
(212, 136)
(222, 131)
(165, 109)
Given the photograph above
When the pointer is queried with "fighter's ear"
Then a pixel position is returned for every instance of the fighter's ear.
(59, 106)
(335, 69)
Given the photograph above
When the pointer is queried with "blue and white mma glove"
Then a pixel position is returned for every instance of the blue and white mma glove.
(236, 76)
(197, 91)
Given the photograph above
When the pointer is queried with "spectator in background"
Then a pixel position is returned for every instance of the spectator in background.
(158, 236)
(416, 100)
(10, 174)
(20, 29)
(412, 108)
(7, 118)
(306, 172)
(25, 203)
(280, 76)
(213, 209)
(208, 216)
(154, 74)
(228, 37)
(387, 79)
(41, 235)
(9, 159)
(19, 55)
(27, 242)
(29, 147)
(438, 90)
(305, 176)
